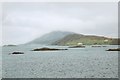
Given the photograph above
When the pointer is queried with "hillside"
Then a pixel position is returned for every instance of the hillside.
(74, 39)
(50, 37)
(63, 38)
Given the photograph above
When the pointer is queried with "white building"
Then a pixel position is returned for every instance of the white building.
(79, 44)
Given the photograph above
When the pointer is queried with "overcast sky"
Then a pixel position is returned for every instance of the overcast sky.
(23, 22)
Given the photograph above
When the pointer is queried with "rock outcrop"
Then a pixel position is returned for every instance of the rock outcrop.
(118, 49)
(17, 53)
(47, 49)
(77, 47)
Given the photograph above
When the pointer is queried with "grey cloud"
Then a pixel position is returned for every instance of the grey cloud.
(36, 19)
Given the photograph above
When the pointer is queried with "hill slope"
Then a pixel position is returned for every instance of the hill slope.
(50, 37)
(74, 39)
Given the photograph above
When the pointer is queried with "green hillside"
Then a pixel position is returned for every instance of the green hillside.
(74, 39)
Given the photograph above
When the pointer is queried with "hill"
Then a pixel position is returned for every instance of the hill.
(74, 39)
(63, 38)
(50, 38)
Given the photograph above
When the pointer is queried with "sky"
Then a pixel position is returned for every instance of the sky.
(0, 24)
(23, 22)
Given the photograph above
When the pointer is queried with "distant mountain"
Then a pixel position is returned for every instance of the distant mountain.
(74, 39)
(63, 38)
(50, 38)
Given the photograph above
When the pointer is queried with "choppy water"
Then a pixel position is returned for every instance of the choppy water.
(86, 62)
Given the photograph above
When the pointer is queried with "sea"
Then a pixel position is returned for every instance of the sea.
(88, 62)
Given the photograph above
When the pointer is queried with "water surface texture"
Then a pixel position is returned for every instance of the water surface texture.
(86, 62)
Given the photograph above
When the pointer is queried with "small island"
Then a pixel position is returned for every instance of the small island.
(118, 49)
(98, 46)
(10, 45)
(47, 49)
(17, 53)
(77, 47)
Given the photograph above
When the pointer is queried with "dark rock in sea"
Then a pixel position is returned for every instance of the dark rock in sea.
(9, 45)
(47, 49)
(77, 47)
(104, 46)
(99, 46)
(118, 49)
(96, 46)
(18, 53)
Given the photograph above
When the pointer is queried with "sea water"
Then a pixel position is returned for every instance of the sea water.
(88, 62)
(0, 62)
